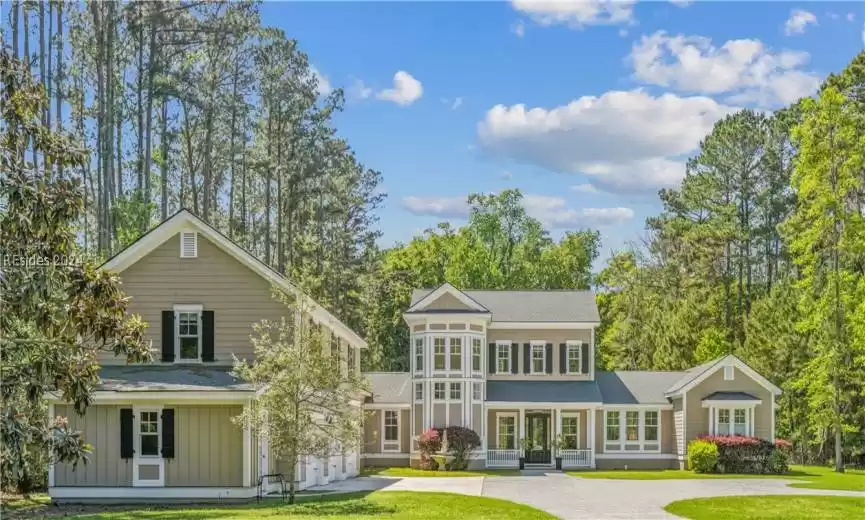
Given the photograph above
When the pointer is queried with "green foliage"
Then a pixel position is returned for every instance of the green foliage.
(59, 310)
(308, 401)
(429, 443)
(460, 444)
(702, 456)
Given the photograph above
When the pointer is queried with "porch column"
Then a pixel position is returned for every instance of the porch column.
(592, 413)
(521, 430)
(557, 414)
(247, 452)
(484, 435)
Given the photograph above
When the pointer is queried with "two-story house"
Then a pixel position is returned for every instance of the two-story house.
(164, 430)
(515, 365)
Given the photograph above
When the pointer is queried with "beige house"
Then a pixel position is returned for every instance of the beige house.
(164, 430)
(515, 365)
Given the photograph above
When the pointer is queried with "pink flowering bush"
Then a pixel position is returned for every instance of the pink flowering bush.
(429, 443)
(740, 454)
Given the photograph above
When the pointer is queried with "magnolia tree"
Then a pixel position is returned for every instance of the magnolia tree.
(308, 401)
(57, 310)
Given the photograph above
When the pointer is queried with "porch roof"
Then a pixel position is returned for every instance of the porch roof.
(389, 387)
(730, 396)
(169, 378)
(635, 387)
(543, 391)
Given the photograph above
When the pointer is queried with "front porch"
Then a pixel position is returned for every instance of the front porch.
(539, 435)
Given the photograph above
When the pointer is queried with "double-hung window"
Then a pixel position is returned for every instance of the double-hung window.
(651, 424)
(539, 358)
(575, 362)
(506, 432)
(477, 392)
(148, 433)
(740, 422)
(733, 421)
(632, 427)
(391, 431)
(613, 432)
(439, 391)
(439, 356)
(503, 358)
(476, 354)
(456, 391)
(632, 430)
(571, 431)
(456, 353)
(188, 329)
(418, 392)
(418, 354)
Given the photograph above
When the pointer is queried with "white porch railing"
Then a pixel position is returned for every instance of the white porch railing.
(576, 458)
(503, 458)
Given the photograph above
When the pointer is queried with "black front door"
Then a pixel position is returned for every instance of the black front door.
(538, 433)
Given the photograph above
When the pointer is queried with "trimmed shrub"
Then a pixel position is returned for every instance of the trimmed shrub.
(460, 444)
(429, 443)
(739, 454)
(702, 456)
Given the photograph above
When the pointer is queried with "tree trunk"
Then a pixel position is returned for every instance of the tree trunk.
(15, 6)
(153, 62)
(95, 11)
(139, 101)
(231, 152)
(163, 170)
(267, 181)
(60, 76)
(48, 82)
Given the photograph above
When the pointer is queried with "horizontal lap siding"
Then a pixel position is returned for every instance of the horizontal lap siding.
(238, 296)
(100, 427)
(553, 336)
(209, 448)
(698, 417)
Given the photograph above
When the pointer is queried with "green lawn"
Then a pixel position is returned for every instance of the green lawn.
(788, 507)
(814, 477)
(412, 472)
(19, 503)
(394, 505)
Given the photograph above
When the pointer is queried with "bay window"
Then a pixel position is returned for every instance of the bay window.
(476, 354)
(456, 353)
(439, 353)
(418, 354)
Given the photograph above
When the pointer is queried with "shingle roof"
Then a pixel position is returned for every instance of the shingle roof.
(543, 306)
(389, 387)
(626, 387)
(691, 374)
(730, 396)
(543, 391)
(172, 378)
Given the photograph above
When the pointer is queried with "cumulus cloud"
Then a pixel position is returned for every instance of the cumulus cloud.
(625, 141)
(799, 19)
(359, 90)
(553, 212)
(851, 16)
(584, 188)
(745, 69)
(519, 28)
(506, 175)
(577, 13)
(323, 84)
(406, 89)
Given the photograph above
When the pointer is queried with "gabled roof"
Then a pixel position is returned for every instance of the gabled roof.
(698, 374)
(552, 306)
(389, 387)
(637, 387)
(186, 220)
(446, 288)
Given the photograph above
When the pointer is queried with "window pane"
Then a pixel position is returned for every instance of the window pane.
(188, 348)
(569, 432)
(439, 390)
(612, 426)
(574, 359)
(456, 353)
(651, 430)
(150, 445)
(503, 364)
(456, 390)
(632, 426)
(538, 358)
(476, 355)
(477, 391)
(418, 391)
(418, 353)
(439, 353)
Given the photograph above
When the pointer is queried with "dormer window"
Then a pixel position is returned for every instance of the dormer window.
(188, 244)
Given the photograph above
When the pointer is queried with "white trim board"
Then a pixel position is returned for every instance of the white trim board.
(729, 360)
(568, 406)
(184, 220)
(720, 403)
(386, 406)
(184, 397)
(543, 324)
(636, 456)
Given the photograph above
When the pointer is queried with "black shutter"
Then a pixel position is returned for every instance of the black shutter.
(126, 450)
(491, 357)
(168, 336)
(549, 356)
(585, 357)
(515, 358)
(207, 336)
(168, 433)
(563, 358)
(527, 357)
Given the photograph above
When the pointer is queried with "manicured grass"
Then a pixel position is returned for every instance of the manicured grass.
(19, 503)
(394, 505)
(412, 472)
(790, 507)
(813, 477)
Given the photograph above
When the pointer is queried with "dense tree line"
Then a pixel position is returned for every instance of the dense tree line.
(198, 105)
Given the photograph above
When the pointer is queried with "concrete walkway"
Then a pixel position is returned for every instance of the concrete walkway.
(570, 497)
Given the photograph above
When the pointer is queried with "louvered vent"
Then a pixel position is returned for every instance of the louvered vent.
(188, 244)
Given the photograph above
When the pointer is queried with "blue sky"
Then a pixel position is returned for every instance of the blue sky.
(587, 107)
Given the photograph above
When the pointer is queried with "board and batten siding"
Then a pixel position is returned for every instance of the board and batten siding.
(100, 427)
(554, 336)
(208, 448)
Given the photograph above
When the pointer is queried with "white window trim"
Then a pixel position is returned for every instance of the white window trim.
(579, 346)
(729, 373)
(532, 345)
(450, 387)
(480, 398)
(480, 355)
(434, 353)
(449, 350)
(499, 417)
(749, 418)
(569, 415)
(641, 431)
(499, 345)
(416, 400)
(418, 369)
(183, 235)
(147, 460)
(445, 398)
(398, 441)
(187, 307)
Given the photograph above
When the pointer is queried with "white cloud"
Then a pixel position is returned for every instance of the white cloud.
(406, 89)
(682, 3)
(553, 212)
(519, 28)
(506, 175)
(584, 188)
(626, 141)
(323, 84)
(457, 103)
(577, 13)
(744, 68)
(799, 19)
(623, 32)
(359, 90)
(851, 16)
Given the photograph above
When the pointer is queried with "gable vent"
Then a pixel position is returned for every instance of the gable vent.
(188, 244)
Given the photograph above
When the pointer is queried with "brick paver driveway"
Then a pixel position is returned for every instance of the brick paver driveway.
(571, 497)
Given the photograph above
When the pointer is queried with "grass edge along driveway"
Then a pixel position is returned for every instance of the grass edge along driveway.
(771, 507)
(412, 472)
(808, 477)
(393, 505)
